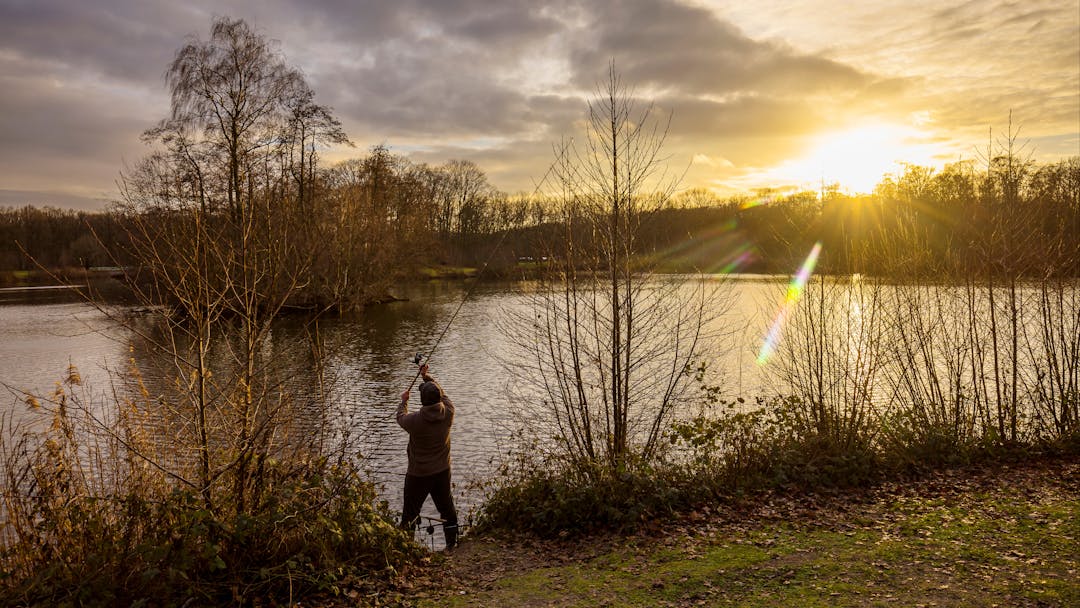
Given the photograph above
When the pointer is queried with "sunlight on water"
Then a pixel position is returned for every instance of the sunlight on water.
(794, 292)
(367, 361)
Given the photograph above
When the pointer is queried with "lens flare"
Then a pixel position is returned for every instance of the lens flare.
(758, 202)
(741, 256)
(718, 248)
(794, 293)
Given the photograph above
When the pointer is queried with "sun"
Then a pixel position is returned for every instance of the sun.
(858, 157)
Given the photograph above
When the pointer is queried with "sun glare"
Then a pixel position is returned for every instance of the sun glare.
(858, 157)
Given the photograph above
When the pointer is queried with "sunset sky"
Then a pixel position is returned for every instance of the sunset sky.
(768, 93)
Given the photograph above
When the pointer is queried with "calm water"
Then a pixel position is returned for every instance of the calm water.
(368, 362)
(368, 358)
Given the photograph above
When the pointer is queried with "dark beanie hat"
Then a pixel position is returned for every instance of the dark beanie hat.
(430, 393)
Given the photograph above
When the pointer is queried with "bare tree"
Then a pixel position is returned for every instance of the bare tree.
(463, 186)
(605, 343)
(308, 124)
(214, 226)
(375, 220)
(228, 90)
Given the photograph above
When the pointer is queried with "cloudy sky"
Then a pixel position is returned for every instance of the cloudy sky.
(769, 93)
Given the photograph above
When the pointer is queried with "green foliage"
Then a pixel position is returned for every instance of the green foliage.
(735, 448)
(580, 497)
(1069, 442)
(913, 443)
(773, 445)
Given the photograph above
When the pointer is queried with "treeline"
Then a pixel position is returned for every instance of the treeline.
(56, 238)
(453, 206)
(1011, 216)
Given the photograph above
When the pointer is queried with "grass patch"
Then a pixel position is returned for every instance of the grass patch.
(945, 541)
(448, 272)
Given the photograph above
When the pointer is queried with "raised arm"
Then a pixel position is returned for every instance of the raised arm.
(403, 408)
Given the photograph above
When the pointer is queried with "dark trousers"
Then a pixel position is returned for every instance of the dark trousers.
(417, 490)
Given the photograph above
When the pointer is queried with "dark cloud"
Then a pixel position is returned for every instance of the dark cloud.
(745, 116)
(504, 26)
(499, 82)
(410, 93)
(672, 46)
(482, 21)
(51, 114)
(61, 133)
(421, 69)
(123, 40)
(405, 88)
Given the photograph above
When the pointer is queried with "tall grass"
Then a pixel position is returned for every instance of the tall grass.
(97, 512)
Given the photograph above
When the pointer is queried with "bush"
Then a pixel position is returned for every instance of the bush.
(912, 442)
(729, 453)
(714, 457)
(89, 522)
(572, 498)
(774, 445)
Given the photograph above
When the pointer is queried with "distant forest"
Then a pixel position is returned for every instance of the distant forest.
(1006, 217)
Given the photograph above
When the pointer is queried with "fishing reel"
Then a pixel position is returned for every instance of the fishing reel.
(418, 358)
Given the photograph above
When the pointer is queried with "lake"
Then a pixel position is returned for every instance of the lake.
(43, 331)
(369, 360)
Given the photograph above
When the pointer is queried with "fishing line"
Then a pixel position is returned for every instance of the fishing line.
(420, 357)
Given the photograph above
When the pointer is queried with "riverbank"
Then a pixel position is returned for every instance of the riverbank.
(994, 535)
(55, 276)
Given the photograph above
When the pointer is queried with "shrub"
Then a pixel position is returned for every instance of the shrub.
(912, 442)
(714, 457)
(775, 444)
(90, 522)
(580, 497)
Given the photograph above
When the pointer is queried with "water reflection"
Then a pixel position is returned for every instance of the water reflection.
(361, 364)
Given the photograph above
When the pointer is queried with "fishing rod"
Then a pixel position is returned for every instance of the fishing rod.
(419, 358)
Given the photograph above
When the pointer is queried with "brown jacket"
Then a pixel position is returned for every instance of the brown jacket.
(429, 435)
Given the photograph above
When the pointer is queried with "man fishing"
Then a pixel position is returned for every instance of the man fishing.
(429, 456)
